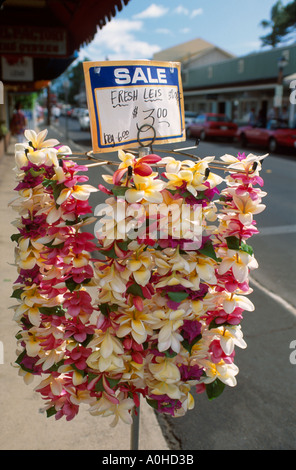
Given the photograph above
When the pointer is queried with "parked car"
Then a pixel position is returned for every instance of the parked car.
(84, 120)
(77, 112)
(212, 125)
(275, 135)
(190, 116)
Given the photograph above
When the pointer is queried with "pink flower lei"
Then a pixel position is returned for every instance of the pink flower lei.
(159, 311)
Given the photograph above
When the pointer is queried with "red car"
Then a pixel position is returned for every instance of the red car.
(212, 125)
(274, 136)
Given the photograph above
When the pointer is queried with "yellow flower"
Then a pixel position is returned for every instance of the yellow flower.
(190, 173)
(147, 188)
(38, 141)
(224, 372)
(165, 370)
(80, 192)
(246, 207)
(166, 377)
(140, 264)
(173, 280)
(134, 322)
(32, 341)
(108, 356)
(127, 159)
(240, 262)
(244, 164)
(168, 322)
(120, 410)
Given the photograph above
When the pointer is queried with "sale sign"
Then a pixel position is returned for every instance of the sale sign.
(134, 103)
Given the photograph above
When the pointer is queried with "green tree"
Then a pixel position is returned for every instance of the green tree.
(75, 75)
(282, 23)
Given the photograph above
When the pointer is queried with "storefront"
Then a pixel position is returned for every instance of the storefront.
(39, 39)
(237, 86)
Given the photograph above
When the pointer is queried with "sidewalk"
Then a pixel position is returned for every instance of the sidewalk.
(23, 425)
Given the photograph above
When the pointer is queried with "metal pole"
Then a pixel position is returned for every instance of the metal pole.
(135, 427)
(135, 430)
(144, 151)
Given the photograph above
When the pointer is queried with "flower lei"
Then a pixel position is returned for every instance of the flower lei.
(168, 307)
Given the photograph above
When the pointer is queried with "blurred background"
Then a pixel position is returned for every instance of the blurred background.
(238, 62)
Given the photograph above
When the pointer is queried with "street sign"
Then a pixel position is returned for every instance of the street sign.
(134, 103)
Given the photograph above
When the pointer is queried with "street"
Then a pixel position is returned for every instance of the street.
(257, 414)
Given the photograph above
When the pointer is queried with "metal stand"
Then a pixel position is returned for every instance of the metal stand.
(135, 429)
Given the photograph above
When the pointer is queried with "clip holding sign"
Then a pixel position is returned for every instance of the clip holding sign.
(132, 103)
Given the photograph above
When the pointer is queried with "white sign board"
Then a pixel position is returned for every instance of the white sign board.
(17, 69)
(133, 103)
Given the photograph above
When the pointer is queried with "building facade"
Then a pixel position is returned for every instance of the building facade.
(257, 81)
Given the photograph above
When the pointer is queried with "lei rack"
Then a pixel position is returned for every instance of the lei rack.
(156, 312)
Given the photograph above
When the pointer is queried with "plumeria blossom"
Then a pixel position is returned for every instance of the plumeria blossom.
(222, 371)
(146, 188)
(37, 141)
(243, 162)
(246, 208)
(154, 305)
(240, 262)
(140, 166)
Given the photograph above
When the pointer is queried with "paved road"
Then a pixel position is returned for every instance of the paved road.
(260, 412)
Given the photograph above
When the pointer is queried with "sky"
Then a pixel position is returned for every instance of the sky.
(144, 27)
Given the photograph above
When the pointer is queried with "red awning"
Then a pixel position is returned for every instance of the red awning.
(48, 34)
(74, 22)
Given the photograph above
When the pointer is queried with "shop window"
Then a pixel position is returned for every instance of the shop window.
(241, 66)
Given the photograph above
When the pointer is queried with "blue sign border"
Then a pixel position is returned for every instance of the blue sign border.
(100, 75)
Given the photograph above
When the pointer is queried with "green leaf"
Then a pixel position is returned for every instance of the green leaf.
(15, 237)
(73, 222)
(119, 190)
(123, 245)
(106, 308)
(91, 377)
(247, 248)
(188, 346)
(99, 386)
(51, 412)
(17, 293)
(36, 172)
(57, 310)
(48, 182)
(55, 367)
(136, 290)
(152, 403)
(57, 190)
(214, 389)
(71, 284)
(109, 253)
(177, 296)
(208, 250)
(233, 243)
(112, 382)
(170, 353)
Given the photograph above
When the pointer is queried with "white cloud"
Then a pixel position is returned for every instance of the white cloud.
(198, 11)
(117, 41)
(181, 10)
(185, 30)
(153, 11)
